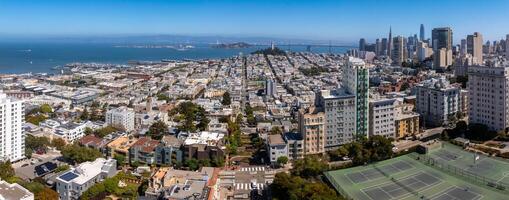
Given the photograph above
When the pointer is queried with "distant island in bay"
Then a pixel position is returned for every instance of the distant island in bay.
(236, 45)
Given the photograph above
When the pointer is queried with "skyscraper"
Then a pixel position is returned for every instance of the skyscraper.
(441, 38)
(12, 137)
(389, 43)
(463, 47)
(507, 46)
(362, 44)
(421, 34)
(356, 82)
(384, 47)
(474, 47)
(378, 47)
(399, 53)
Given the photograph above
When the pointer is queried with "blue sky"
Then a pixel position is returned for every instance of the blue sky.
(339, 20)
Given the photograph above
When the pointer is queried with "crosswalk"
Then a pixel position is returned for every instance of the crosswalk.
(252, 169)
(247, 186)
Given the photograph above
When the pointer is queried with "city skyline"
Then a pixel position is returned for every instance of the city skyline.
(344, 21)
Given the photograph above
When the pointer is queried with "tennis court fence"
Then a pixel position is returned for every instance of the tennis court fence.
(461, 172)
(337, 186)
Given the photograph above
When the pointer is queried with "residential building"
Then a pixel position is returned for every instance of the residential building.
(12, 136)
(14, 191)
(355, 80)
(437, 101)
(143, 151)
(442, 58)
(340, 116)
(71, 131)
(276, 147)
(488, 96)
(474, 47)
(295, 145)
(270, 88)
(72, 183)
(423, 51)
(121, 117)
(382, 116)
(406, 124)
(312, 128)
(204, 145)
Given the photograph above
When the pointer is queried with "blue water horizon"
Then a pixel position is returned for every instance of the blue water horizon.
(26, 57)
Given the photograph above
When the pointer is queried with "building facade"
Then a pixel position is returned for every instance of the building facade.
(437, 101)
(340, 117)
(71, 184)
(312, 129)
(276, 147)
(12, 136)
(122, 118)
(488, 95)
(355, 80)
(382, 115)
(474, 47)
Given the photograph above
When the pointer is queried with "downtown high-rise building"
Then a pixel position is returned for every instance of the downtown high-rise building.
(488, 96)
(421, 33)
(474, 47)
(12, 136)
(463, 47)
(362, 44)
(442, 47)
(441, 38)
(384, 47)
(507, 46)
(389, 43)
(399, 50)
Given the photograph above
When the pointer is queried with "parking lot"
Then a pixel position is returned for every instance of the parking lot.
(25, 169)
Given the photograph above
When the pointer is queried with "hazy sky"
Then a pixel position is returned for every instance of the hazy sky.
(314, 19)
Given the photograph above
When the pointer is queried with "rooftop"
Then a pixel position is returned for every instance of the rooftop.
(204, 137)
(86, 171)
(13, 191)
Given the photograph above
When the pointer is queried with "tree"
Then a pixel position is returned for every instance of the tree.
(157, 130)
(120, 159)
(192, 164)
(45, 108)
(58, 143)
(84, 115)
(104, 131)
(276, 130)
(62, 168)
(226, 99)
(288, 187)
(78, 154)
(282, 160)
(47, 194)
(6, 170)
(310, 166)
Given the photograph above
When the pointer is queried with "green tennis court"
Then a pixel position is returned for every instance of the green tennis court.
(416, 176)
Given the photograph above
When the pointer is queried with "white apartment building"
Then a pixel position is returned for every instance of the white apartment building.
(71, 184)
(488, 95)
(382, 118)
(121, 117)
(12, 136)
(277, 147)
(71, 131)
(437, 101)
(340, 117)
(14, 191)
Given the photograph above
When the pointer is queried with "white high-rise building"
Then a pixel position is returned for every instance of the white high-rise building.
(12, 137)
(437, 101)
(382, 118)
(355, 80)
(340, 117)
(474, 47)
(488, 96)
(121, 117)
